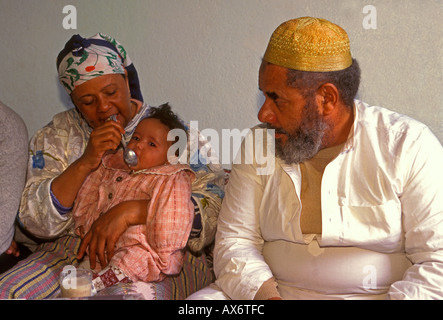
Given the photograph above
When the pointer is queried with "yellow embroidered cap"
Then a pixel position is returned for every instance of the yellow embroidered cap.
(309, 44)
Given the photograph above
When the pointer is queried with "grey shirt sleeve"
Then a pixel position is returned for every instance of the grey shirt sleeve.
(13, 162)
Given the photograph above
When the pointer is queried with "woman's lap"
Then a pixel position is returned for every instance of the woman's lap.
(196, 274)
(36, 277)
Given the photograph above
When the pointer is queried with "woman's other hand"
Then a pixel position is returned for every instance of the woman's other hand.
(13, 249)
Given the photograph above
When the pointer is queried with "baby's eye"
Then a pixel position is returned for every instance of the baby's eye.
(151, 144)
(135, 138)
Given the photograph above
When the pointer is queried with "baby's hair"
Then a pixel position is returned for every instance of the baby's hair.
(166, 116)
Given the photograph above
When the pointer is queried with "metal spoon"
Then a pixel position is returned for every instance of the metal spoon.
(128, 154)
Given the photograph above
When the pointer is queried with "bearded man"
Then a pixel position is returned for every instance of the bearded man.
(353, 206)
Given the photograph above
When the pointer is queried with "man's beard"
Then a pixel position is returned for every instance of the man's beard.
(306, 140)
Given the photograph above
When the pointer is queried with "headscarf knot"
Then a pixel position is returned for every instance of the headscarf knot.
(77, 44)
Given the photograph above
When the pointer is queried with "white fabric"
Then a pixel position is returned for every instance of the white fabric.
(383, 193)
(332, 272)
(211, 292)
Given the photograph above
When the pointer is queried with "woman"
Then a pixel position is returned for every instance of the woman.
(102, 82)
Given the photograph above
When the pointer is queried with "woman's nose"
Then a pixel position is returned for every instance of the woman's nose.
(103, 104)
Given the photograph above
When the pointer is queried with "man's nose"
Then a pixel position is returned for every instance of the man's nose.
(266, 115)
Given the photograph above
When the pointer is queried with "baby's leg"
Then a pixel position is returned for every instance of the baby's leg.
(107, 277)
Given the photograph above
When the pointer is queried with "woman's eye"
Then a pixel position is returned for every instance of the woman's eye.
(109, 91)
(88, 102)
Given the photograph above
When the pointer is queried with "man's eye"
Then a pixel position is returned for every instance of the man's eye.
(273, 96)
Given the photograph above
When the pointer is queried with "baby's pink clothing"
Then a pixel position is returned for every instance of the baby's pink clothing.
(153, 250)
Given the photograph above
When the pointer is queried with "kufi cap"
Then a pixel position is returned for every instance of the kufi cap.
(84, 59)
(309, 44)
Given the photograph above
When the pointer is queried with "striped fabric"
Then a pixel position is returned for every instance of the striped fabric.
(195, 275)
(36, 277)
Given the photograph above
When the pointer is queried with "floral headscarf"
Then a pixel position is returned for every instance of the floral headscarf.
(84, 59)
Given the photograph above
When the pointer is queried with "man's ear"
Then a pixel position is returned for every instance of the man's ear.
(327, 98)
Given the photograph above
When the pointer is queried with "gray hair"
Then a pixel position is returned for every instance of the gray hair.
(347, 81)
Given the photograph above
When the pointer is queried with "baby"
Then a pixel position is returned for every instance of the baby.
(150, 251)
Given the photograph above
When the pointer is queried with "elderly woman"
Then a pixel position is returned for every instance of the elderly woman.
(102, 82)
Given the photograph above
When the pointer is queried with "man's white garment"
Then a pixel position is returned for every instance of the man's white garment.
(382, 219)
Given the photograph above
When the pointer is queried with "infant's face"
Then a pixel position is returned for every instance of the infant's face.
(150, 143)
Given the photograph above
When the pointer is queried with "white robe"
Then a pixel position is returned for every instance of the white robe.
(382, 205)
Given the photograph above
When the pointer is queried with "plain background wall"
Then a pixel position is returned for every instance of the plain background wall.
(202, 56)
